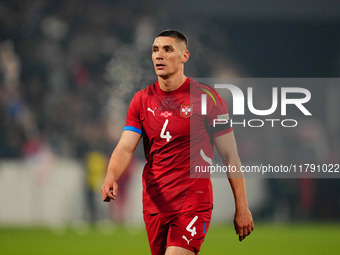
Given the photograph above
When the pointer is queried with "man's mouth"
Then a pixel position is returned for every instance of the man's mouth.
(159, 65)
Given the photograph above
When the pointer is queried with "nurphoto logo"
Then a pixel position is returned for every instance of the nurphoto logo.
(239, 106)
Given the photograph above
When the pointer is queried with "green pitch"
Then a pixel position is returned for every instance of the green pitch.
(266, 239)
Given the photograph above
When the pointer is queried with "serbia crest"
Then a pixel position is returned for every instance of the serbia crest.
(186, 110)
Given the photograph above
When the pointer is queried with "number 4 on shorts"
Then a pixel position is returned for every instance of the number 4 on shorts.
(192, 230)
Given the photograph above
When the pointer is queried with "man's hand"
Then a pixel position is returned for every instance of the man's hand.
(243, 222)
(109, 190)
(119, 161)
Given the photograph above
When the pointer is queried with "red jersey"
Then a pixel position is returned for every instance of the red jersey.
(176, 137)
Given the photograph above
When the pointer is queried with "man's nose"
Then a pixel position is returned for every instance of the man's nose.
(159, 55)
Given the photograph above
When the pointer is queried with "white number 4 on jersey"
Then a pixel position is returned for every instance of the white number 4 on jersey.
(165, 135)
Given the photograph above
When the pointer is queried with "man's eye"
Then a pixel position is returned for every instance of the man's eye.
(168, 50)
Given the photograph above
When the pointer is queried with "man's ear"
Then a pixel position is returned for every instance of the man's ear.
(185, 56)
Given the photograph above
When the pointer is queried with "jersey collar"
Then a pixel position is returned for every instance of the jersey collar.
(176, 91)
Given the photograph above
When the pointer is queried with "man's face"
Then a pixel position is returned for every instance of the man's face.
(168, 56)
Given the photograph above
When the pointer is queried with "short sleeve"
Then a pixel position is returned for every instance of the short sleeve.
(133, 115)
(218, 116)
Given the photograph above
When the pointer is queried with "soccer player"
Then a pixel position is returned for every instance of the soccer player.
(177, 202)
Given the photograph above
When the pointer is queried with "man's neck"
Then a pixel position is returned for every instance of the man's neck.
(172, 83)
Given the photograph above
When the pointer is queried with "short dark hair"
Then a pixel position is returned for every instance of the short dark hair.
(174, 34)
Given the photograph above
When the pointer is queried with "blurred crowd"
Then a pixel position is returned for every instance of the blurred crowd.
(68, 70)
(53, 57)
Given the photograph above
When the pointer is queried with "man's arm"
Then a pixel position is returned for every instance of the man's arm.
(119, 162)
(227, 149)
